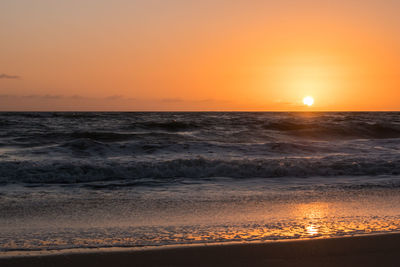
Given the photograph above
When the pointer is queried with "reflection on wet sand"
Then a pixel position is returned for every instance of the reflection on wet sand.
(304, 220)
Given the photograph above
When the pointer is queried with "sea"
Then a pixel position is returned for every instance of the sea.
(105, 180)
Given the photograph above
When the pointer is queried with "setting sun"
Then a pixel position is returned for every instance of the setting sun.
(308, 100)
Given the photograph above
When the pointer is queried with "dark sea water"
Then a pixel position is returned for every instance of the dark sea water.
(94, 180)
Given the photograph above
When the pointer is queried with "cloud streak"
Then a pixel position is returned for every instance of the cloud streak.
(11, 77)
(50, 102)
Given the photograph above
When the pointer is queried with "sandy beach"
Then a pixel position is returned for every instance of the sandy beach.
(374, 250)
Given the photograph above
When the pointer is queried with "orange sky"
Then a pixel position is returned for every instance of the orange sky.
(199, 55)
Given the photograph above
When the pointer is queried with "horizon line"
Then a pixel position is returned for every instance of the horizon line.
(183, 111)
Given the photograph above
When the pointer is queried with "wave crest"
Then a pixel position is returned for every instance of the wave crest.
(77, 172)
(352, 129)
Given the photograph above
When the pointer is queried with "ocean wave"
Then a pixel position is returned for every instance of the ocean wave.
(171, 125)
(168, 147)
(78, 172)
(85, 145)
(349, 129)
(100, 136)
(66, 139)
(227, 127)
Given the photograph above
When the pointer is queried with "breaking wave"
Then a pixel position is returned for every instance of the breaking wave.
(78, 172)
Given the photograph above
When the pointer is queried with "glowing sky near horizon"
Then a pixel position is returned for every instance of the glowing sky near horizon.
(199, 55)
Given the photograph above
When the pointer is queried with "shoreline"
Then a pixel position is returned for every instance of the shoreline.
(93, 250)
(363, 250)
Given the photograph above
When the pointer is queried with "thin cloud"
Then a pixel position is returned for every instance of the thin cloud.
(11, 77)
(171, 100)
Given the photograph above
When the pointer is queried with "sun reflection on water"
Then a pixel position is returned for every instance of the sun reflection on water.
(312, 229)
(314, 217)
(299, 221)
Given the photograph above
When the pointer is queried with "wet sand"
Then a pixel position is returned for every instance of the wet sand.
(374, 250)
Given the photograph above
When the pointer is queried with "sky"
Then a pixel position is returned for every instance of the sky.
(219, 55)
